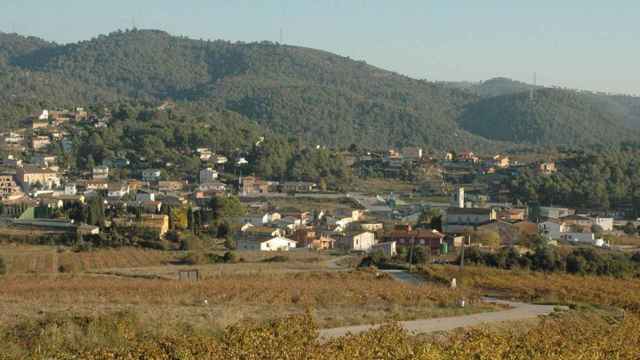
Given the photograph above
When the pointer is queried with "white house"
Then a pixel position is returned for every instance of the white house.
(117, 190)
(208, 175)
(552, 230)
(143, 196)
(605, 223)
(151, 174)
(277, 243)
(100, 172)
(360, 241)
(70, 189)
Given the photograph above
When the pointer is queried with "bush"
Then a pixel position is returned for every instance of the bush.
(196, 258)
(277, 258)
(3, 267)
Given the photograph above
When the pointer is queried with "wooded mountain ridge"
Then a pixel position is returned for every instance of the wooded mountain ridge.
(313, 95)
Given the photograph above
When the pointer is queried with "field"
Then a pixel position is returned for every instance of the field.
(272, 310)
(375, 186)
(545, 287)
(48, 259)
(222, 299)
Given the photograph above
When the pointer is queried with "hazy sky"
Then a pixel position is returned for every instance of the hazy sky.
(588, 44)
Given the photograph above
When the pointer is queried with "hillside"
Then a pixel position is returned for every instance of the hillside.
(493, 87)
(556, 117)
(317, 96)
(321, 97)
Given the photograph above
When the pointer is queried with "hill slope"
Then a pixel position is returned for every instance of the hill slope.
(556, 117)
(310, 94)
(321, 97)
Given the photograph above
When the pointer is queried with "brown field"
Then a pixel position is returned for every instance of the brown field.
(48, 259)
(335, 298)
(310, 203)
(543, 287)
(378, 186)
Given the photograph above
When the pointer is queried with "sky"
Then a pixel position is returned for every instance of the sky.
(582, 44)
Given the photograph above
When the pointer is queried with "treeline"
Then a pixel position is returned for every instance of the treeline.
(582, 261)
(596, 180)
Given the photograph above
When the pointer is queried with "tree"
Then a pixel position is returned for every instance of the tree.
(3, 267)
(629, 229)
(487, 238)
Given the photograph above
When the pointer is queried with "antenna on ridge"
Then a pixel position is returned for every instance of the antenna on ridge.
(133, 22)
(281, 35)
(532, 93)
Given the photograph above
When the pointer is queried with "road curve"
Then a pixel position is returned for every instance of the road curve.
(516, 311)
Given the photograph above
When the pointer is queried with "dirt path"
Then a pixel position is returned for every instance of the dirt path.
(516, 311)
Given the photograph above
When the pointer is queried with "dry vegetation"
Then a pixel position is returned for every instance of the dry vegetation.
(49, 259)
(335, 298)
(121, 336)
(546, 287)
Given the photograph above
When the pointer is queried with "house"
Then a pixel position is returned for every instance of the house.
(373, 227)
(605, 223)
(251, 185)
(353, 214)
(8, 187)
(388, 249)
(70, 189)
(43, 161)
(468, 156)
(117, 163)
(219, 159)
(143, 196)
(85, 230)
(277, 243)
(169, 186)
(308, 237)
(40, 142)
(100, 172)
(208, 175)
(555, 212)
(577, 221)
(29, 176)
(158, 224)
(457, 220)
(547, 168)
(95, 185)
(411, 153)
(151, 174)
(512, 214)
(552, 229)
(297, 186)
(260, 219)
(500, 161)
(405, 235)
(212, 187)
(117, 190)
(262, 232)
(356, 241)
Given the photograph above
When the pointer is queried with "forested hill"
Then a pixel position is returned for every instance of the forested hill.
(303, 93)
(551, 116)
(493, 87)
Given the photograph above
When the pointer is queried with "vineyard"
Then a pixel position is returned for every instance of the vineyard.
(46, 260)
(335, 298)
(121, 336)
(546, 287)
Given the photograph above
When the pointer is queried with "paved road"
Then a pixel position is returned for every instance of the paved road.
(516, 311)
(405, 277)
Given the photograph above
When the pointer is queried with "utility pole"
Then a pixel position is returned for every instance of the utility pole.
(413, 240)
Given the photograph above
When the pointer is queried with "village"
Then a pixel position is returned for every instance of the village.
(448, 201)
